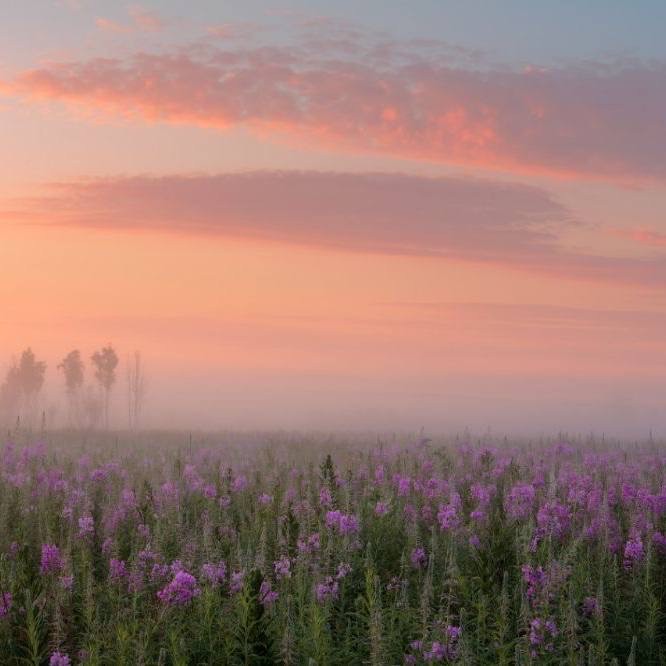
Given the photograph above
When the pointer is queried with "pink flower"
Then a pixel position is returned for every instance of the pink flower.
(181, 590)
(283, 568)
(59, 659)
(5, 604)
(267, 596)
(50, 561)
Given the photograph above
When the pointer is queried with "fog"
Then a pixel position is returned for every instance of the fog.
(521, 406)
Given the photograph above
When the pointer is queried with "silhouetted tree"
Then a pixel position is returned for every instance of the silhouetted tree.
(136, 389)
(23, 382)
(72, 367)
(105, 362)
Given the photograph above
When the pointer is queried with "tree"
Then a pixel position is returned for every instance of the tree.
(72, 367)
(105, 362)
(136, 389)
(23, 382)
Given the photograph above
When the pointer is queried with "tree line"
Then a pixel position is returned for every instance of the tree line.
(88, 403)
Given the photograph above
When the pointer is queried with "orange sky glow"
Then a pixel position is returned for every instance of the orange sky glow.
(299, 239)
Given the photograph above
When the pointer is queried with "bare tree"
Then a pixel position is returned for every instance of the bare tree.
(136, 389)
(105, 362)
(23, 382)
(72, 367)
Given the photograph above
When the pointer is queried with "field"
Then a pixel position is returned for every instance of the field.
(262, 549)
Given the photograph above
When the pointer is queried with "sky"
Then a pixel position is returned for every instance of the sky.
(342, 215)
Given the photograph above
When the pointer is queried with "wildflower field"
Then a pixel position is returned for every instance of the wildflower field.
(271, 549)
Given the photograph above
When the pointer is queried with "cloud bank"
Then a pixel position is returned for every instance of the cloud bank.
(591, 119)
(507, 224)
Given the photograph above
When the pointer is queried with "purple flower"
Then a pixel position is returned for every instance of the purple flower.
(181, 590)
(443, 650)
(328, 589)
(325, 497)
(536, 580)
(633, 552)
(66, 582)
(474, 541)
(345, 523)
(404, 486)
(282, 568)
(418, 558)
(519, 501)
(553, 519)
(59, 659)
(590, 606)
(50, 561)
(267, 596)
(542, 633)
(447, 517)
(159, 572)
(310, 545)
(5, 604)
(343, 570)
(236, 582)
(659, 541)
(239, 484)
(86, 526)
(265, 499)
(348, 524)
(214, 573)
(117, 570)
(333, 518)
(381, 508)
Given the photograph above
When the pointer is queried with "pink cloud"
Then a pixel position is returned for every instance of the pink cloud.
(108, 25)
(236, 30)
(644, 236)
(145, 19)
(141, 20)
(591, 120)
(463, 219)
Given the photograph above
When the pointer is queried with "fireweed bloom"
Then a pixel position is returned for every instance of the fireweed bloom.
(536, 581)
(50, 561)
(117, 570)
(590, 606)
(659, 541)
(418, 558)
(542, 635)
(59, 659)
(345, 524)
(181, 590)
(282, 568)
(309, 545)
(66, 582)
(239, 484)
(633, 552)
(267, 596)
(325, 497)
(327, 589)
(343, 570)
(381, 508)
(214, 574)
(236, 582)
(519, 501)
(5, 604)
(447, 516)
